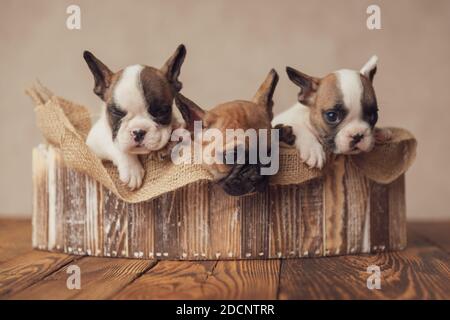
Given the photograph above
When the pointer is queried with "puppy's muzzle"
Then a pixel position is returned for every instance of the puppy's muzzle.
(243, 179)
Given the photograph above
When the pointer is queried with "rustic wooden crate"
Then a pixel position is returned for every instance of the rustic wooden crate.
(341, 212)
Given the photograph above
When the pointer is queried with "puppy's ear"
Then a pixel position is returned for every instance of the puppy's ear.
(307, 84)
(172, 67)
(102, 74)
(189, 110)
(265, 92)
(370, 68)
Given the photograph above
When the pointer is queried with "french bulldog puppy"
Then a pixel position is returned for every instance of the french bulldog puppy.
(136, 118)
(236, 179)
(335, 114)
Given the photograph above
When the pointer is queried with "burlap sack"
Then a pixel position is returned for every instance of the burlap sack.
(65, 125)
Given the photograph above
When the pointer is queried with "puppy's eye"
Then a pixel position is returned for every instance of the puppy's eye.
(116, 112)
(332, 117)
(163, 111)
(373, 118)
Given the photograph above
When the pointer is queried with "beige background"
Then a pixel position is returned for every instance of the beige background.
(231, 46)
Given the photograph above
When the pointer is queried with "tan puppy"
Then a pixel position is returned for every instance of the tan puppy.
(254, 117)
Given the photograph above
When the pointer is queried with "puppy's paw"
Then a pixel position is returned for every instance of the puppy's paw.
(382, 135)
(286, 134)
(131, 173)
(312, 153)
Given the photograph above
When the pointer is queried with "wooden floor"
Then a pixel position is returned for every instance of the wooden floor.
(422, 271)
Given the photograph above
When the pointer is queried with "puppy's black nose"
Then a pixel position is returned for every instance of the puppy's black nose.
(357, 138)
(138, 135)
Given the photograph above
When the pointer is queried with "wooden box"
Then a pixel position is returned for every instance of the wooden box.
(341, 212)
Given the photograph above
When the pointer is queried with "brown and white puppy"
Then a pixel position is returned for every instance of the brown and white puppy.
(334, 114)
(235, 116)
(137, 112)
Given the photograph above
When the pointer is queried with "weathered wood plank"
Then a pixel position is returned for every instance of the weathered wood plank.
(56, 187)
(169, 280)
(357, 194)
(285, 226)
(115, 225)
(422, 271)
(167, 225)
(194, 221)
(255, 225)
(335, 207)
(93, 218)
(397, 214)
(225, 224)
(379, 217)
(140, 239)
(75, 212)
(311, 220)
(100, 279)
(242, 279)
(22, 271)
(40, 198)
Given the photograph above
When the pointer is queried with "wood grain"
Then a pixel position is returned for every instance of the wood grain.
(242, 279)
(75, 212)
(115, 225)
(194, 221)
(94, 219)
(311, 220)
(397, 214)
(167, 225)
(141, 229)
(357, 204)
(15, 238)
(335, 208)
(22, 271)
(100, 278)
(285, 226)
(379, 217)
(169, 280)
(224, 210)
(40, 198)
(56, 205)
(254, 225)
(420, 272)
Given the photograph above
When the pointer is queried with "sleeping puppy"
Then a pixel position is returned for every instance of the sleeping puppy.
(335, 114)
(137, 116)
(240, 175)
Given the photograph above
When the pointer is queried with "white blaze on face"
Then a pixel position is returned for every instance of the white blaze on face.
(129, 96)
(349, 82)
